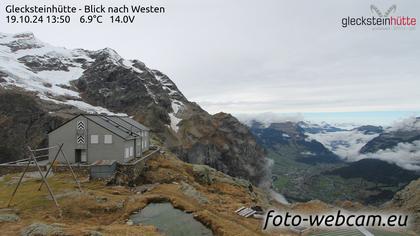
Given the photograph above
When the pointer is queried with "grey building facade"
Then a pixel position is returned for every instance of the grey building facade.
(88, 138)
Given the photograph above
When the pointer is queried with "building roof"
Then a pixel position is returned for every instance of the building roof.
(134, 123)
(104, 163)
(123, 126)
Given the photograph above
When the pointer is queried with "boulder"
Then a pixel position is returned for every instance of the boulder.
(40, 229)
(202, 174)
(94, 233)
(191, 192)
(9, 218)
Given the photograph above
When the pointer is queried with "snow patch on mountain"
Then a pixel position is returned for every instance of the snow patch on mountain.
(130, 64)
(176, 104)
(22, 77)
(176, 107)
(112, 55)
(91, 109)
(61, 77)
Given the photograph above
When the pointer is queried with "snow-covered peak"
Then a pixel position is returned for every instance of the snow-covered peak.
(27, 44)
(28, 63)
(20, 41)
(109, 54)
(54, 74)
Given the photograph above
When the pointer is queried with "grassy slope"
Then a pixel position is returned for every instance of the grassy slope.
(82, 212)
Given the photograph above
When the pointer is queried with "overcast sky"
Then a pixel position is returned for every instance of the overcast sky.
(244, 56)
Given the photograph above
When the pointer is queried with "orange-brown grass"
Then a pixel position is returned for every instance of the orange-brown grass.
(106, 208)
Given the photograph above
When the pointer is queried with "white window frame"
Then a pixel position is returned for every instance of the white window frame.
(108, 139)
(127, 153)
(131, 151)
(83, 157)
(138, 147)
(94, 139)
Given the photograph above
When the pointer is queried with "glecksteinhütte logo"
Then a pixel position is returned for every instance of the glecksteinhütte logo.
(375, 9)
(381, 20)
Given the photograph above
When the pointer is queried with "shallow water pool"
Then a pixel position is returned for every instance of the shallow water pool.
(170, 221)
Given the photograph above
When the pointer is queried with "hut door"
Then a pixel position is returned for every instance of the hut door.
(80, 155)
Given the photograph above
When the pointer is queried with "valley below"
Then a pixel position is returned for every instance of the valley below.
(317, 163)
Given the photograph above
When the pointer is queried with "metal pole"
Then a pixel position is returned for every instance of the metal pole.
(71, 170)
(43, 149)
(50, 167)
(45, 180)
(20, 180)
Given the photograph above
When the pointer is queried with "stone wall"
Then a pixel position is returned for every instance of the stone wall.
(18, 168)
(127, 173)
(12, 169)
(78, 169)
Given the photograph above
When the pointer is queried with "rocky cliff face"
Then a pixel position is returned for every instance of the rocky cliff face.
(65, 82)
(24, 120)
(408, 200)
(289, 137)
(217, 140)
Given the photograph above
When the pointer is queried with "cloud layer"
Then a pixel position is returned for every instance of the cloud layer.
(347, 144)
(405, 155)
(267, 118)
(407, 124)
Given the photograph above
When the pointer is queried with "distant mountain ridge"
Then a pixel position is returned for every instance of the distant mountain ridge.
(402, 133)
(325, 138)
(384, 173)
(278, 135)
(301, 172)
(370, 129)
(317, 128)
